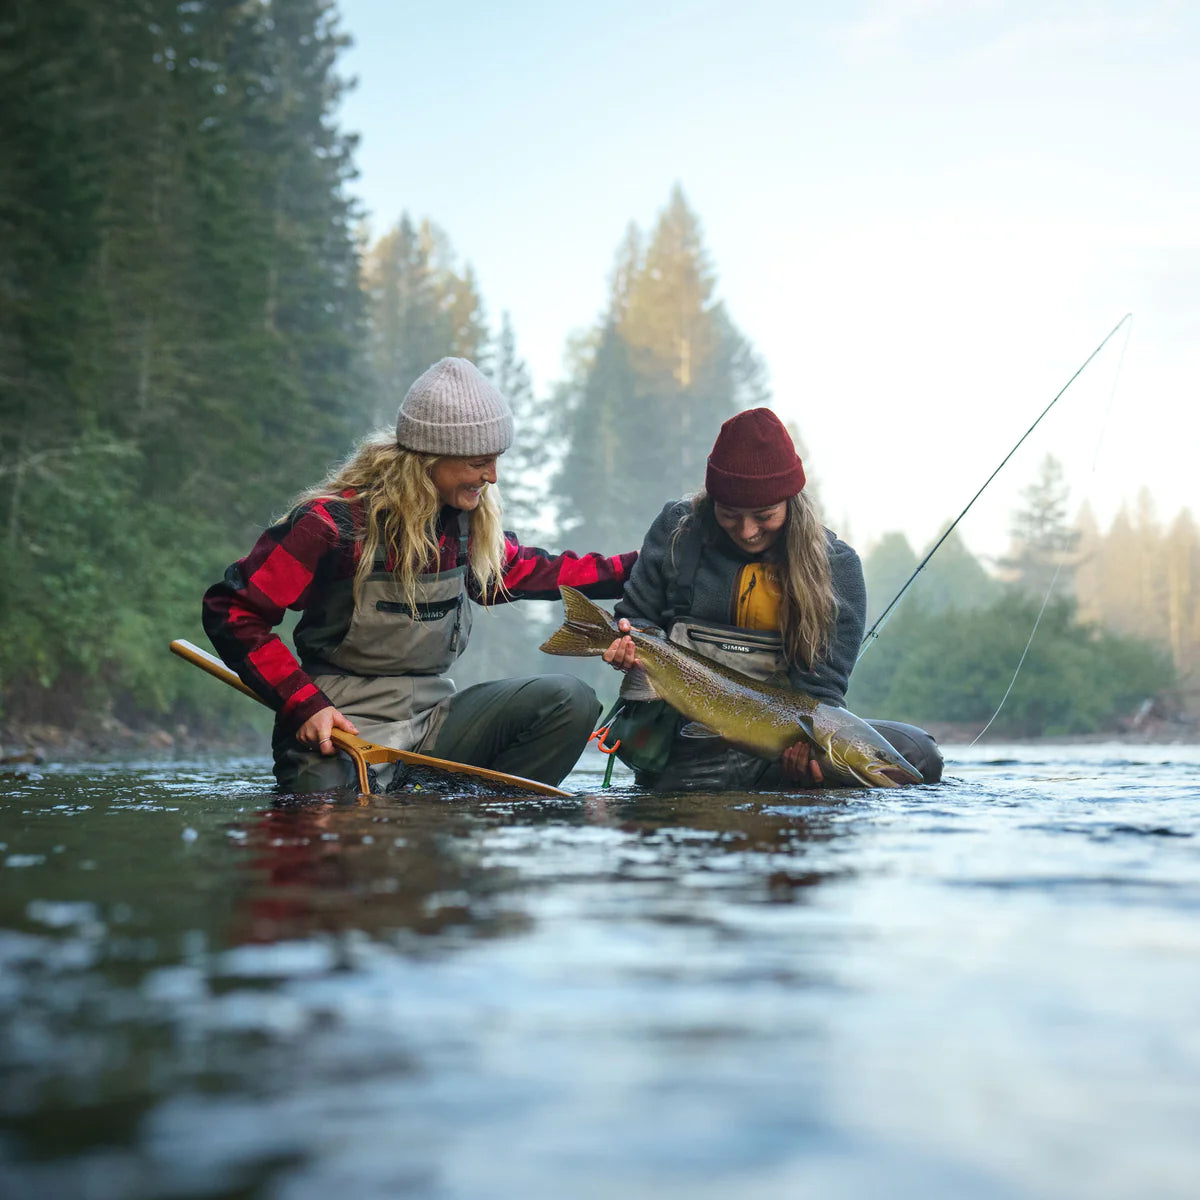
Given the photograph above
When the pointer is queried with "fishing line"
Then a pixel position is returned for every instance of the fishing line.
(1021, 660)
(873, 633)
(1054, 578)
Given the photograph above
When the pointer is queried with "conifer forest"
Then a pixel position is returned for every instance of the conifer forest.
(195, 324)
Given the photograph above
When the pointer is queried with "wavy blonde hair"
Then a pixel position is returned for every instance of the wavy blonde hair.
(808, 608)
(400, 510)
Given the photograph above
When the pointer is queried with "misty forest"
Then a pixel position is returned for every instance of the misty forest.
(195, 323)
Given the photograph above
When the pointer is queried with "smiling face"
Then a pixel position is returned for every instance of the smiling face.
(752, 530)
(460, 481)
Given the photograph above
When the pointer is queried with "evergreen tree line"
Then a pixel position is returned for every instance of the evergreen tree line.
(1114, 619)
(181, 323)
(193, 326)
(629, 428)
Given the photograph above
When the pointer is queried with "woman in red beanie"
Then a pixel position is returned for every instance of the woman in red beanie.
(745, 574)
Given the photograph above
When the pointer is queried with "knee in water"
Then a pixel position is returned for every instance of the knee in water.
(917, 746)
(922, 751)
(575, 695)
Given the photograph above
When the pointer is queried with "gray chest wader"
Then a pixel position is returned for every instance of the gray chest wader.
(649, 729)
(387, 672)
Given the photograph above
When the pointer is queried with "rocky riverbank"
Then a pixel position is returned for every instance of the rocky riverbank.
(1156, 732)
(108, 738)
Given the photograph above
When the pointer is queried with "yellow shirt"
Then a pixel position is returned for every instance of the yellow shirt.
(759, 595)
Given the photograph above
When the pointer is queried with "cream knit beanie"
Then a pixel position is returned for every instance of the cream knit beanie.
(452, 409)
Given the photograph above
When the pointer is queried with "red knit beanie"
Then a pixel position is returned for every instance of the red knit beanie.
(753, 463)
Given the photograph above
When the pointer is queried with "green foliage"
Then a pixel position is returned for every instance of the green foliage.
(953, 579)
(187, 339)
(950, 651)
(955, 666)
(180, 323)
(887, 567)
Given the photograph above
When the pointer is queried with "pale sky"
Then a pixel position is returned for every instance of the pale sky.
(924, 215)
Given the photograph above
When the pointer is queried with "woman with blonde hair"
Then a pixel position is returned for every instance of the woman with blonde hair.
(745, 574)
(383, 559)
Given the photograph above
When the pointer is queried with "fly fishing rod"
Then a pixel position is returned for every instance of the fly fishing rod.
(873, 633)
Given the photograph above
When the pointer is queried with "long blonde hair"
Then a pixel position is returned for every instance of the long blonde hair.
(400, 509)
(807, 608)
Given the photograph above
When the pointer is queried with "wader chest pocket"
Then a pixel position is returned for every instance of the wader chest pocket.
(741, 641)
(432, 610)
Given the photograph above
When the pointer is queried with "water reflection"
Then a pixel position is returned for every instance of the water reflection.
(765, 831)
(206, 990)
(773, 822)
(373, 864)
(438, 865)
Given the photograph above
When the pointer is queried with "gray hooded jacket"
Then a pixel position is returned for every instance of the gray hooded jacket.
(647, 594)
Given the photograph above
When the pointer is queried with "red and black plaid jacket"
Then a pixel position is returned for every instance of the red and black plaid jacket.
(315, 546)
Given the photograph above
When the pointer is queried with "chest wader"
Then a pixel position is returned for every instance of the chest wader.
(710, 761)
(649, 730)
(387, 672)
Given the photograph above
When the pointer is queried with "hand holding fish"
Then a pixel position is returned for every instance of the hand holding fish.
(622, 654)
(800, 764)
(751, 715)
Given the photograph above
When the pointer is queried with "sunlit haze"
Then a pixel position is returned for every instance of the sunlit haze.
(924, 216)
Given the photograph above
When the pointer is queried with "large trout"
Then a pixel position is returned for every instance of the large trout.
(754, 716)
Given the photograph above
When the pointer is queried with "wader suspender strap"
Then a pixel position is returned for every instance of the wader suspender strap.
(464, 560)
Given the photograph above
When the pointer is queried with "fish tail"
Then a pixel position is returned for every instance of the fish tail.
(586, 630)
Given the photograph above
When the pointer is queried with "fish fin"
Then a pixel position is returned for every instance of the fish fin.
(778, 679)
(637, 686)
(586, 629)
(693, 729)
(806, 729)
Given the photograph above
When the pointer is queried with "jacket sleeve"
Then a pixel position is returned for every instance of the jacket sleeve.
(645, 595)
(829, 677)
(531, 573)
(241, 611)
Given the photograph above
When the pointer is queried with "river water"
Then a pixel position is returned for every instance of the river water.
(988, 988)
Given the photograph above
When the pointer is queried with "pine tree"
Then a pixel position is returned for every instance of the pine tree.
(523, 482)
(1151, 570)
(1043, 541)
(1121, 589)
(1183, 596)
(601, 506)
(662, 369)
(421, 309)
(507, 636)
(179, 316)
(1089, 550)
(690, 363)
